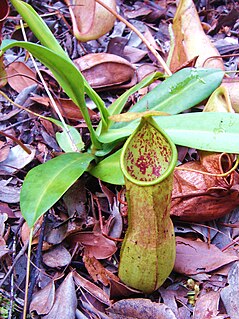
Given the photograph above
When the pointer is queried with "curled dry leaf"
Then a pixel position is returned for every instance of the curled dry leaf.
(140, 308)
(20, 76)
(90, 20)
(197, 197)
(43, 300)
(189, 39)
(195, 257)
(104, 70)
(65, 302)
(95, 244)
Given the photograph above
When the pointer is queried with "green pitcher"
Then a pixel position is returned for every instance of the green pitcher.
(148, 251)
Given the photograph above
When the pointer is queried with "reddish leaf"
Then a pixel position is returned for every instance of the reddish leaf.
(195, 257)
(94, 290)
(199, 197)
(207, 305)
(67, 107)
(57, 256)
(95, 244)
(20, 76)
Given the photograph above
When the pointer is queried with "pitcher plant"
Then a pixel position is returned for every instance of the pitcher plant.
(148, 251)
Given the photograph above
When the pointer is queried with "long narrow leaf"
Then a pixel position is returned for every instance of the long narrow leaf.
(46, 183)
(38, 27)
(45, 36)
(65, 72)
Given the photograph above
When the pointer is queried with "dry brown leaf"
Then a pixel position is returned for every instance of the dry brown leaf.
(140, 308)
(197, 197)
(95, 244)
(65, 302)
(207, 305)
(20, 76)
(190, 40)
(67, 107)
(97, 271)
(43, 300)
(90, 20)
(195, 257)
(57, 256)
(104, 70)
(94, 290)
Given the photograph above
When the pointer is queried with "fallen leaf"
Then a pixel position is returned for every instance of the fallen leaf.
(94, 290)
(67, 107)
(197, 197)
(230, 293)
(95, 244)
(9, 193)
(4, 151)
(190, 40)
(3, 247)
(65, 302)
(90, 20)
(42, 300)
(17, 159)
(207, 305)
(195, 257)
(57, 256)
(140, 308)
(104, 70)
(97, 271)
(20, 76)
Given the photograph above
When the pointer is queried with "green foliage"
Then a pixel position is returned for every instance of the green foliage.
(175, 94)
(45, 184)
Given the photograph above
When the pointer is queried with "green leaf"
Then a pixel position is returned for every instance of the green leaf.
(216, 132)
(182, 90)
(45, 36)
(46, 183)
(38, 27)
(109, 169)
(66, 74)
(63, 140)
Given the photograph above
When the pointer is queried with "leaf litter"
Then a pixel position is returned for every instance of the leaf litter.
(77, 275)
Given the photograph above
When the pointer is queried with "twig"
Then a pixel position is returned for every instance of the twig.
(140, 35)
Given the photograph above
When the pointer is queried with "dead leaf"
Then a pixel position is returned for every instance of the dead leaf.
(43, 300)
(104, 70)
(94, 290)
(4, 151)
(195, 257)
(190, 40)
(207, 305)
(230, 293)
(67, 107)
(65, 302)
(9, 193)
(17, 159)
(197, 197)
(4, 12)
(20, 76)
(3, 247)
(97, 271)
(57, 256)
(90, 20)
(95, 244)
(140, 308)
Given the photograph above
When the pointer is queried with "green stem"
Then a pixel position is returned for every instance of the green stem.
(27, 274)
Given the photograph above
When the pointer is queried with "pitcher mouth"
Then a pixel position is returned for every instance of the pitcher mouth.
(148, 160)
